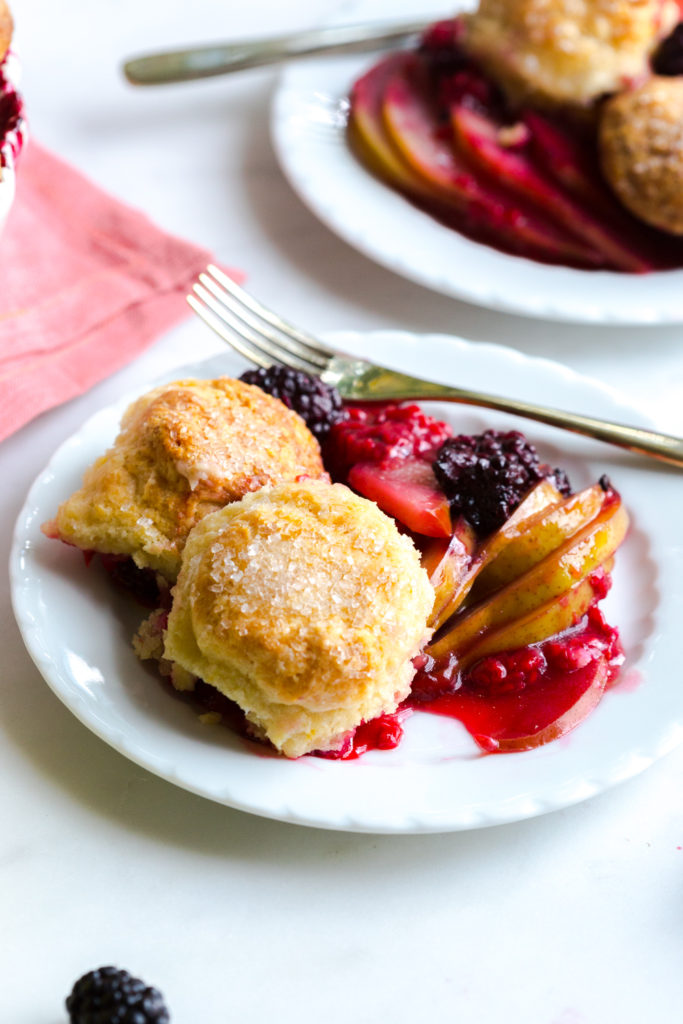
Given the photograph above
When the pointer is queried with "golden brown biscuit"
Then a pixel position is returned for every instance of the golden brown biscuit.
(641, 148)
(6, 28)
(567, 51)
(184, 450)
(304, 604)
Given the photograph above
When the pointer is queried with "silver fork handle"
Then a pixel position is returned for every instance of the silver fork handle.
(222, 58)
(381, 384)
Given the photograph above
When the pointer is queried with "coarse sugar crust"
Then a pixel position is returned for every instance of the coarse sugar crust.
(184, 450)
(567, 52)
(6, 28)
(640, 141)
(305, 605)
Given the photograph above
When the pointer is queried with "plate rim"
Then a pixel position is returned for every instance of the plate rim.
(403, 823)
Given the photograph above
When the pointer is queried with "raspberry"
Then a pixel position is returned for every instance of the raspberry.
(111, 996)
(380, 433)
(486, 476)
(510, 672)
(318, 404)
(668, 60)
(571, 654)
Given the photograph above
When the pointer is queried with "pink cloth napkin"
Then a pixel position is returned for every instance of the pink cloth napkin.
(86, 283)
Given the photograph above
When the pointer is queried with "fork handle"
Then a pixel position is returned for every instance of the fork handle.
(222, 58)
(396, 386)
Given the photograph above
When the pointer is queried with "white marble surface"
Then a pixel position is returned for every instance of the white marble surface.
(573, 918)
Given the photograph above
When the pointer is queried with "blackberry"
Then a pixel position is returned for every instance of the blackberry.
(111, 996)
(668, 60)
(485, 477)
(441, 48)
(318, 404)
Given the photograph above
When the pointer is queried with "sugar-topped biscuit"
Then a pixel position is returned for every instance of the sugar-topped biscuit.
(567, 51)
(640, 141)
(184, 450)
(304, 604)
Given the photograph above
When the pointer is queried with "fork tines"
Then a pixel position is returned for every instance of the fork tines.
(251, 329)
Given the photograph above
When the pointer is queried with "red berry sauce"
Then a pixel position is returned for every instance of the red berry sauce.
(520, 699)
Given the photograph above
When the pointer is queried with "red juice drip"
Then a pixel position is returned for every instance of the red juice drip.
(518, 700)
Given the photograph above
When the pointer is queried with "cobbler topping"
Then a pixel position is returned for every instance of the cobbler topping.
(486, 476)
(318, 404)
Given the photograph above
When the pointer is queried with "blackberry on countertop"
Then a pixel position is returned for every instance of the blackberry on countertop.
(318, 404)
(485, 477)
(112, 996)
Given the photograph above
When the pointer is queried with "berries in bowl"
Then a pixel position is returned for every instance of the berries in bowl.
(12, 121)
(493, 126)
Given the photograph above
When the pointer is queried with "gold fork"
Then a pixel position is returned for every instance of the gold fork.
(264, 338)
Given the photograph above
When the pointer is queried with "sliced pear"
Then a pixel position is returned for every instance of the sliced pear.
(476, 137)
(537, 537)
(369, 135)
(556, 574)
(412, 123)
(543, 495)
(447, 563)
(407, 490)
(548, 620)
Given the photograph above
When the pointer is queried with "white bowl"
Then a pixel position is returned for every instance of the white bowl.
(12, 142)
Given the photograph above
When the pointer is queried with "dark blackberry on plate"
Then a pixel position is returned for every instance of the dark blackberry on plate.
(486, 476)
(318, 404)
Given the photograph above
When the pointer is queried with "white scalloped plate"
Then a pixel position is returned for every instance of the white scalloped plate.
(308, 131)
(78, 633)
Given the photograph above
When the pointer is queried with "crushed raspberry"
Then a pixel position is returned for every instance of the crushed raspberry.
(601, 583)
(381, 433)
(569, 655)
(382, 733)
(433, 680)
(509, 672)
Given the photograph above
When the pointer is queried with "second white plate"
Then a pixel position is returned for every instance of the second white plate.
(308, 127)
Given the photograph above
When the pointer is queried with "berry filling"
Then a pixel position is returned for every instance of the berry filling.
(519, 563)
(437, 128)
(383, 432)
